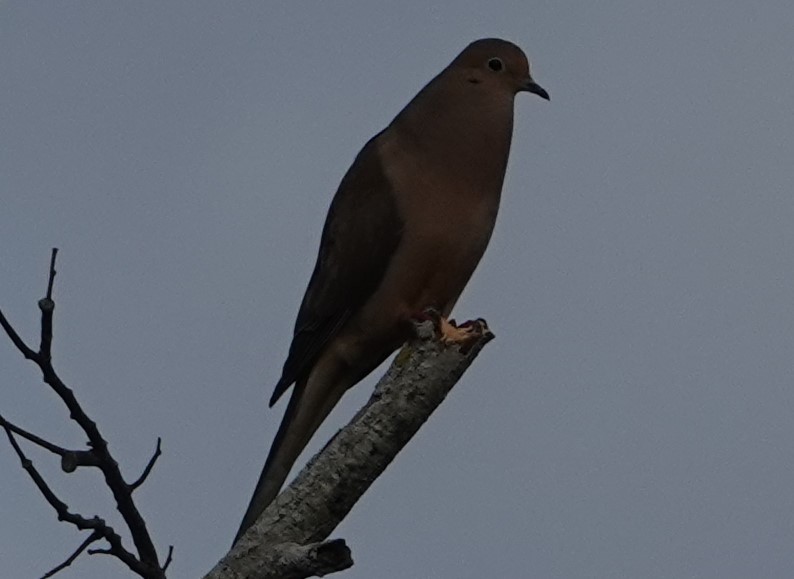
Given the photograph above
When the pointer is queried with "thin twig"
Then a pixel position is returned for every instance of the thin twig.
(70, 459)
(37, 440)
(47, 307)
(149, 466)
(169, 558)
(20, 344)
(93, 537)
(57, 504)
(52, 272)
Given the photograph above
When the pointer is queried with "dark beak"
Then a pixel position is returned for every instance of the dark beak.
(533, 87)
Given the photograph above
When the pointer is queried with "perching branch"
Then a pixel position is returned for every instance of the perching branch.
(145, 562)
(287, 539)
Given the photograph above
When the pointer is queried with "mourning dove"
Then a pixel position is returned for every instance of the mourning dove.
(405, 231)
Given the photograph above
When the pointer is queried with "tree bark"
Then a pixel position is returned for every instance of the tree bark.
(287, 539)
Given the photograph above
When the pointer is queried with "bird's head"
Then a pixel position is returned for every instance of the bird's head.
(497, 65)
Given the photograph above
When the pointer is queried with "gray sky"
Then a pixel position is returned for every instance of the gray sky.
(634, 416)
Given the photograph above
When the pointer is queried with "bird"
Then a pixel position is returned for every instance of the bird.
(404, 233)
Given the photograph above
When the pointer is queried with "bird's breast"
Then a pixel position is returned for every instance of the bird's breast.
(448, 217)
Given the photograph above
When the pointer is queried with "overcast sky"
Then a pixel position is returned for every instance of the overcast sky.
(633, 418)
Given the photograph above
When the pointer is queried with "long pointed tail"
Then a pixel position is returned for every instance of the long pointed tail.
(309, 405)
(276, 469)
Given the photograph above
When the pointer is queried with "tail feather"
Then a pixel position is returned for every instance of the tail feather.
(271, 479)
(309, 405)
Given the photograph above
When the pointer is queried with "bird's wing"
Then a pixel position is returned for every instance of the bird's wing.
(361, 234)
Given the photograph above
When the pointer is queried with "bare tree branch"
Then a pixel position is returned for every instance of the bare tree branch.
(37, 440)
(96, 524)
(93, 537)
(148, 469)
(168, 558)
(47, 306)
(17, 341)
(51, 279)
(309, 509)
(70, 459)
(146, 563)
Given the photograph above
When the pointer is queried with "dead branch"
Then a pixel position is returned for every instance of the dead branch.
(288, 536)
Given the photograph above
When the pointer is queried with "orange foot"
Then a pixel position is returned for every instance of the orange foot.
(451, 333)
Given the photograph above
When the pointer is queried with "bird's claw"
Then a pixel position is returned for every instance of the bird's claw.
(465, 333)
(450, 333)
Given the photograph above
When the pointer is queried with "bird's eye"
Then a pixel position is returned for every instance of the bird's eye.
(496, 64)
